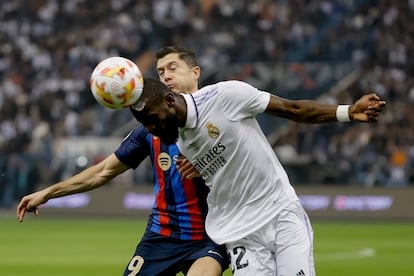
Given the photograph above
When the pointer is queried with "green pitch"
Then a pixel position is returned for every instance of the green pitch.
(42, 246)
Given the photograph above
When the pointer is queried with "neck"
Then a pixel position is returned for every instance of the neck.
(181, 109)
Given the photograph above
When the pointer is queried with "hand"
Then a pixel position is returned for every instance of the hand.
(186, 169)
(367, 108)
(30, 203)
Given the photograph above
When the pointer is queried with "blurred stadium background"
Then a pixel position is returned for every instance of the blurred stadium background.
(334, 51)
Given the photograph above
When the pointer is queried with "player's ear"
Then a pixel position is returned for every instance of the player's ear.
(196, 72)
(170, 99)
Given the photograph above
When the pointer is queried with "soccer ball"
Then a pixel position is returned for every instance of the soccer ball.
(116, 82)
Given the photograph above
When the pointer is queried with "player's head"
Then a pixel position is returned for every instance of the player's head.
(158, 109)
(178, 69)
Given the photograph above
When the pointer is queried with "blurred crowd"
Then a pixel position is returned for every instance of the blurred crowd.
(379, 36)
(48, 49)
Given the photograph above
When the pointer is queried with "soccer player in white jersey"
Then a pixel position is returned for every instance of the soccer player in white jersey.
(253, 208)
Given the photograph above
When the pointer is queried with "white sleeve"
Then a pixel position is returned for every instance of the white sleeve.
(241, 100)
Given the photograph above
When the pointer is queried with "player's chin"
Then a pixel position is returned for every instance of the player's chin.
(168, 140)
(169, 137)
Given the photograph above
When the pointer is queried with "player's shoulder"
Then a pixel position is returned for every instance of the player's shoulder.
(233, 86)
(139, 132)
(205, 94)
(219, 86)
(206, 89)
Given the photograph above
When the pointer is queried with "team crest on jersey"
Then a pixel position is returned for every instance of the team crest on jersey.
(213, 131)
(194, 146)
(164, 161)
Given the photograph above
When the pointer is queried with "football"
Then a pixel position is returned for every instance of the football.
(116, 82)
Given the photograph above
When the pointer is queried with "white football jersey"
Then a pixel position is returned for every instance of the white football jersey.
(224, 142)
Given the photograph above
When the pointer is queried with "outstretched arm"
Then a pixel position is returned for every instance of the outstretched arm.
(366, 109)
(89, 179)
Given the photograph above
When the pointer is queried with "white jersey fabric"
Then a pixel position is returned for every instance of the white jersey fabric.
(223, 140)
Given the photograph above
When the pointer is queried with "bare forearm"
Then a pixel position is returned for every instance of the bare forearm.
(305, 111)
(365, 109)
(87, 180)
(312, 112)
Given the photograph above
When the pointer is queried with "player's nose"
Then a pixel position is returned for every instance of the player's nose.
(167, 75)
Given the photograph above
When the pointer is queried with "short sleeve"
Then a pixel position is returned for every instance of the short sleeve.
(134, 148)
(241, 100)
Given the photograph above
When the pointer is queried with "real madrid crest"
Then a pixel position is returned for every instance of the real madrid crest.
(213, 131)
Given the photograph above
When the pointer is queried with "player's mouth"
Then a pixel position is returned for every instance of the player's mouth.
(171, 86)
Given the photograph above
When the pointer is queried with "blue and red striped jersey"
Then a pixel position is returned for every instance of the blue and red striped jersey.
(180, 206)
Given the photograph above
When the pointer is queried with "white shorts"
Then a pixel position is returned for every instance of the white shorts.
(283, 247)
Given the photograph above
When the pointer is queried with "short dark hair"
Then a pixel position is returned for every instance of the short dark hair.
(152, 92)
(184, 54)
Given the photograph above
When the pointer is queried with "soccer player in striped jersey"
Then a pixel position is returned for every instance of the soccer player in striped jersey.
(175, 239)
(253, 208)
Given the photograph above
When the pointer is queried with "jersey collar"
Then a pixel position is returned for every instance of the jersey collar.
(192, 113)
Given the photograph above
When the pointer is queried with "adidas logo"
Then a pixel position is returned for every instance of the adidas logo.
(300, 273)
